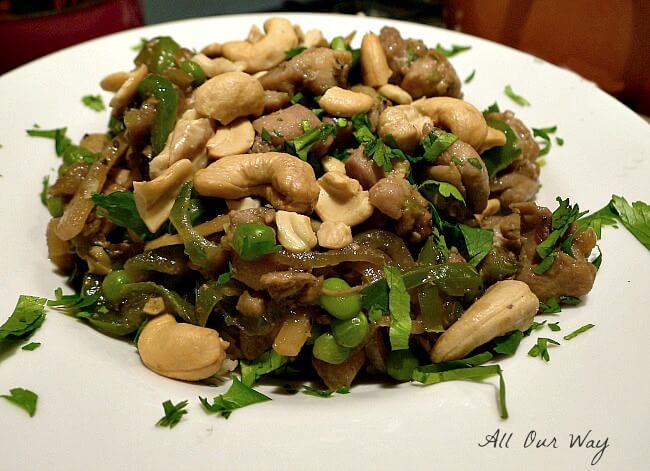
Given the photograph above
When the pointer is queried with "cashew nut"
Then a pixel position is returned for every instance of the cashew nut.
(113, 82)
(405, 124)
(332, 164)
(154, 199)
(180, 350)
(154, 306)
(236, 138)
(128, 89)
(212, 50)
(295, 232)
(506, 306)
(313, 38)
(255, 35)
(266, 53)
(342, 199)
(285, 181)
(493, 207)
(346, 103)
(186, 141)
(395, 94)
(374, 66)
(462, 119)
(244, 203)
(219, 65)
(334, 235)
(229, 96)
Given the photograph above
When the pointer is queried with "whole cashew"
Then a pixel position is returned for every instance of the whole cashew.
(374, 66)
(345, 103)
(218, 65)
(268, 51)
(462, 119)
(285, 181)
(180, 350)
(229, 96)
(295, 232)
(506, 306)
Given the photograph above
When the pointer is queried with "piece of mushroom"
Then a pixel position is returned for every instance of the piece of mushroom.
(229, 96)
(374, 66)
(295, 233)
(218, 65)
(334, 235)
(180, 350)
(236, 138)
(506, 306)
(285, 181)
(268, 51)
(395, 94)
(342, 199)
(186, 141)
(345, 103)
(154, 199)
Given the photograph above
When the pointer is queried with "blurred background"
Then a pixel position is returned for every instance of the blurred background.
(606, 41)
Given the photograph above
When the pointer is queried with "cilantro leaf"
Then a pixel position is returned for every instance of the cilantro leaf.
(399, 305)
(540, 349)
(31, 346)
(635, 218)
(23, 398)
(61, 141)
(578, 331)
(508, 344)
(253, 370)
(310, 391)
(28, 315)
(493, 108)
(238, 395)
(436, 142)
(500, 158)
(603, 217)
(445, 189)
(554, 326)
(119, 208)
(470, 77)
(477, 241)
(520, 100)
(543, 133)
(455, 49)
(173, 414)
(301, 145)
(94, 102)
(291, 53)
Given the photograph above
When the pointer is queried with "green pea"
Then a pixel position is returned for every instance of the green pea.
(343, 307)
(351, 332)
(113, 283)
(326, 349)
(254, 241)
(401, 364)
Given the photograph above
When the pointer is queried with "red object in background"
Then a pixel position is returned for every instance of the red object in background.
(607, 41)
(27, 37)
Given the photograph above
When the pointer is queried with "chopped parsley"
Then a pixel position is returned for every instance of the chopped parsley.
(291, 53)
(266, 136)
(544, 134)
(477, 241)
(455, 49)
(578, 331)
(499, 158)
(119, 208)
(399, 306)
(553, 305)
(61, 141)
(540, 349)
(509, 343)
(94, 102)
(635, 218)
(23, 398)
(173, 414)
(470, 77)
(296, 98)
(301, 145)
(520, 100)
(28, 315)
(554, 326)
(436, 142)
(310, 391)
(253, 370)
(445, 189)
(31, 346)
(238, 395)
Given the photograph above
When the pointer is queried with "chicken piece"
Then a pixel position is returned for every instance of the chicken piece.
(292, 287)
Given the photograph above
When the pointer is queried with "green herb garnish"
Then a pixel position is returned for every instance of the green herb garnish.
(253, 370)
(31, 346)
(544, 134)
(28, 315)
(514, 97)
(23, 398)
(94, 102)
(310, 391)
(291, 53)
(540, 349)
(173, 414)
(445, 189)
(399, 306)
(119, 208)
(238, 395)
(455, 49)
(470, 77)
(577, 332)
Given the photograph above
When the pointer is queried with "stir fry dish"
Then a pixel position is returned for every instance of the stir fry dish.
(291, 205)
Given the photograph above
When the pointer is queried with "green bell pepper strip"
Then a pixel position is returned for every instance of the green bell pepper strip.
(195, 71)
(163, 91)
(158, 54)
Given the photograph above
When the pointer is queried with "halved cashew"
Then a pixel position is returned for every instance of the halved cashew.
(334, 235)
(395, 94)
(461, 118)
(186, 141)
(216, 66)
(229, 96)
(113, 82)
(154, 199)
(268, 51)
(244, 203)
(342, 199)
(374, 66)
(332, 164)
(506, 306)
(295, 232)
(180, 350)
(154, 306)
(285, 181)
(346, 103)
(405, 124)
(493, 207)
(212, 50)
(128, 89)
(236, 138)
(255, 35)
(313, 38)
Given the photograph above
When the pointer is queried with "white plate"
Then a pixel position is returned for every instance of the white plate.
(98, 405)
